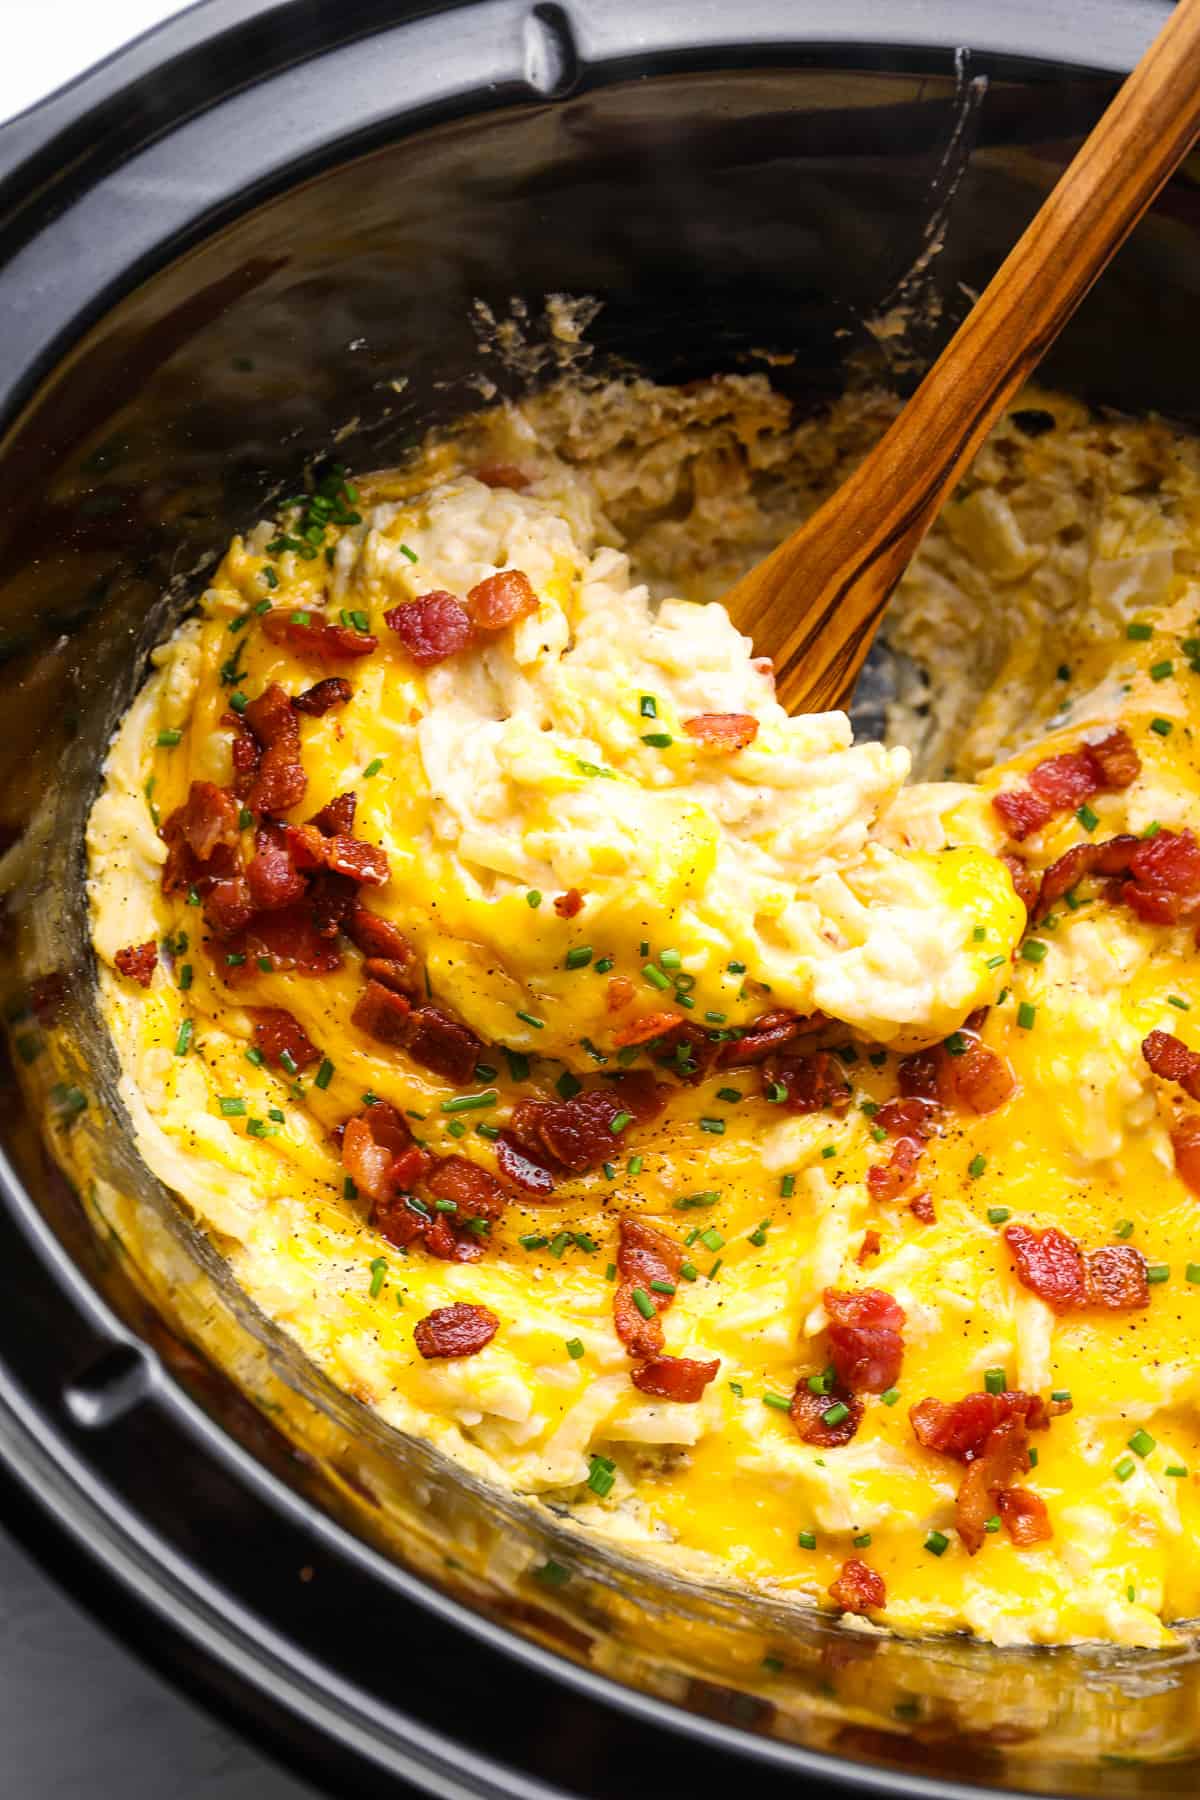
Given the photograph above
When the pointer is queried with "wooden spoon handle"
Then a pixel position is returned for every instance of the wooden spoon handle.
(813, 604)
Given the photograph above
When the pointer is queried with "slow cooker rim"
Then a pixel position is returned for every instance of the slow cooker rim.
(22, 144)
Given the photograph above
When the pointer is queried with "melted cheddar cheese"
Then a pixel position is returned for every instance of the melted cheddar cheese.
(802, 872)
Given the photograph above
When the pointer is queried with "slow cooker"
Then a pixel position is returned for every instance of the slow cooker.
(273, 227)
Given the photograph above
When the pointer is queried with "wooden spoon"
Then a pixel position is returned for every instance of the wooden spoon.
(814, 604)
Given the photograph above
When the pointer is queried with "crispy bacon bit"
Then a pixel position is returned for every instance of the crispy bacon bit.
(475, 1193)
(869, 1247)
(377, 1151)
(1053, 1266)
(364, 864)
(644, 1255)
(1061, 783)
(206, 823)
(432, 628)
(1025, 1516)
(865, 1345)
(577, 1134)
(857, 1589)
(245, 751)
(459, 1330)
(1004, 1456)
(681, 1378)
(807, 1413)
(990, 1433)
(1025, 882)
(289, 938)
(1111, 857)
(1185, 1141)
(272, 877)
(278, 1034)
(909, 1123)
(279, 781)
(501, 600)
(440, 1042)
(382, 1014)
(725, 732)
(961, 1428)
(503, 475)
(310, 635)
(402, 977)
(570, 904)
(650, 1025)
(138, 962)
(1165, 872)
(812, 1083)
(317, 700)
(376, 936)
(337, 818)
(768, 1033)
(979, 1081)
(517, 1167)
(922, 1209)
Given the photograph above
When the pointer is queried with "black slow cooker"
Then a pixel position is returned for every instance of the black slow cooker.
(278, 226)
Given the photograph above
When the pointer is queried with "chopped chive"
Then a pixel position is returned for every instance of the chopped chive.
(568, 1085)
(610, 1272)
(186, 973)
(712, 1239)
(529, 1019)
(1063, 671)
(828, 1150)
(712, 1273)
(1158, 1272)
(324, 1074)
(1163, 727)
(807, 1540)
(655, 977)
(687, 1202)
(470, 1102)
(1178, 1001)
(736, 968)
(1026, 1014)
(551, 1574)
(533, 1240)
(775, 1092)
(378, 1271)
(715, 1018)
(619, 1121)
(1123, 1228)
(167, 740)
(778, 1401)
(1175, 1470)
(234, 959)
(231, 1107)
(671, 959)
(1124, 1469)
(662, 1287)
(245, 819)
(1141, 1443)
(288, 1061)
(643, 1302)
(1033, 950)
(648, 706)
(265, 964)
(584, 1242)
(580, 957)
(559, 1242)
(658, 740)
(890, 1396)
(978, 935)
(836, 1413)
(689, 1271)
(601, 1475)
(373, 767)
(822, 1383)
(603, 965)
(862, 1541)
(1160, 670)
(1140, 634)
(995, 1381)
(992, 1524)
(1087, 818)
(1061, 1394)
(1192, 1272)
(193, 898)
(998, 1214)
(758, 1236)
(574, 1348)
(787, 1186)
(184, 1039)
(533, 899)
(350, 1188)
(634, 1165)
(254, 1055)
(714, 1127)
(937, 1542)
(956, 1044)
(977, 1165)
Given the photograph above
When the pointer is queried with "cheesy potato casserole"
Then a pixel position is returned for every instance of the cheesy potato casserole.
(664, 1106)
